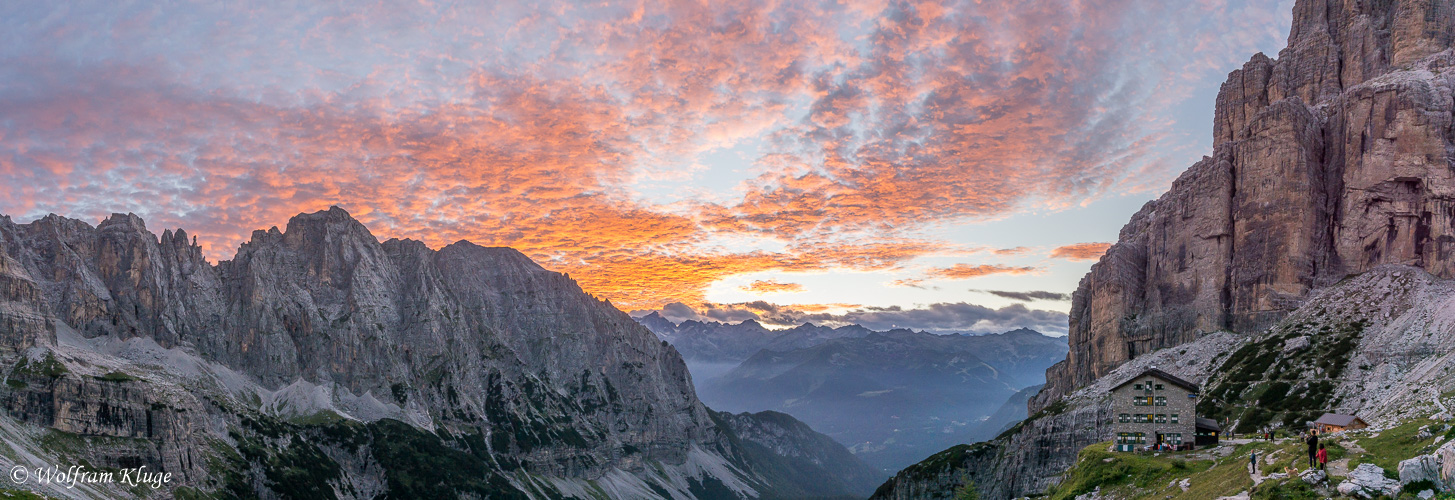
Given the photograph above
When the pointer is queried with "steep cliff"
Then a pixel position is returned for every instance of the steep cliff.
(1336, 157)
(320, 345)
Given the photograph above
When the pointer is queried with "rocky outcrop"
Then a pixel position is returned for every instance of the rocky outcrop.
(1333, 159)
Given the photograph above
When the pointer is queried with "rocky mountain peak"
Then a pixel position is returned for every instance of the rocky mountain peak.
(324, 227)
(503, 255)
(124, 222)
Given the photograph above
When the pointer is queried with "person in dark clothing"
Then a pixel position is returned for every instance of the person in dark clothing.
(1313, 449)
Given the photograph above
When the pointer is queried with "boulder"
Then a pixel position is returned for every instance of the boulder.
(1295, 344)
(1314, 476)
(1368, 481)
(1421, 468)
(1437, 467)
(1445, 466)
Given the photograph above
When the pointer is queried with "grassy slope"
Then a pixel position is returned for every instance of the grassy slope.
(1135, 475)
(1145, 476)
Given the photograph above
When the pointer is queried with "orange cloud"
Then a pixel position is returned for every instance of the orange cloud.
(966, 271)
(1080, 251)
(762, 287)
(908, 283)
(524, 124)
(1013, 251)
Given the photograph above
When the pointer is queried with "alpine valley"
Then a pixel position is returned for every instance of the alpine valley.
(893, 397)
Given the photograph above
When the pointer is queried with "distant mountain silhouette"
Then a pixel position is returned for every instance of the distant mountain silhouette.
(892, 397)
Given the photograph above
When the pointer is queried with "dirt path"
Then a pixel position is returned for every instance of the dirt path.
(1265, 461)
(1340, 467)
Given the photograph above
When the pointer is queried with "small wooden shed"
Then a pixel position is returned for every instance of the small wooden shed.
(1334, 422)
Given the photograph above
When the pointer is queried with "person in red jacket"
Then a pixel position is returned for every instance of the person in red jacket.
(1323, 457)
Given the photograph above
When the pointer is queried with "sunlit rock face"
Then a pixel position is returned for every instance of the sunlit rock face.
(1334, 158)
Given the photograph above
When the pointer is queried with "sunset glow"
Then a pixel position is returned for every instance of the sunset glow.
(922, 164)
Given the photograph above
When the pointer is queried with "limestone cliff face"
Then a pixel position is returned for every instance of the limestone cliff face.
(1336, 157)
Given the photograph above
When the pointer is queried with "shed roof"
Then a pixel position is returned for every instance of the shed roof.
(1207, 423)
(1170, 378)
(1338, 420)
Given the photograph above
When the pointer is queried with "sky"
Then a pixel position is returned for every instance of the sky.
(949, 166)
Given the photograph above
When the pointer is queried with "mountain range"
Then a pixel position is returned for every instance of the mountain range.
(712, 344)
(320, 362)
(892, 397)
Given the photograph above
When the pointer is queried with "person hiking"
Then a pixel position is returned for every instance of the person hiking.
(1323, 457)
(1313, 447)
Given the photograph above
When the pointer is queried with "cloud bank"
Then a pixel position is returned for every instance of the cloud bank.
(938, 318)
